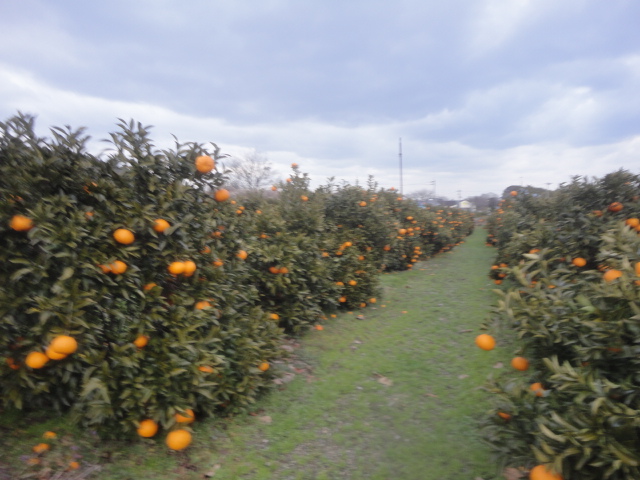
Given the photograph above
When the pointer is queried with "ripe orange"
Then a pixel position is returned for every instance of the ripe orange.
(141, 341)
(633, 222)
(12, 364)
(149, 286)
(221, 195)
(189, 268)
(124, 236)
(579, 262)
(263, 367)
(274, 316)
(204, 163)
(206, 369)
(118, 267)
(373, 300)
(637, 269)
(178, 439)
(284, 270)
(105, 268)
(504, 415)
(176, 268)
(41, 447)
(202, 304)
(342, 299)
(540, 472)
(363, 203)
(148, 428)
(49, 434)
(160, 225)
(20, 223)
(274, 270)
(53, 355)
(485, 341)
(274, 188)
(74, 465)
(36, 360)
(242, 255)
(319, 327)
(64, 344)
(615, 207)
(353, 283)
(520, 363)
(537, 389)
(188, 418)
(217, 263)
(304, 198)
(513, 193)
(611, 275)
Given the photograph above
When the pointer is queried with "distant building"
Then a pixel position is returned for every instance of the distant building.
(466, 205)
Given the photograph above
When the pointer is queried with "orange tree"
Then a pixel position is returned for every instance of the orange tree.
(147, 345)
(578, 326)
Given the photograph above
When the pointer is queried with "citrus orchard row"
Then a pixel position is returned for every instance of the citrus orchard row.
(571, 259)
(171, 295)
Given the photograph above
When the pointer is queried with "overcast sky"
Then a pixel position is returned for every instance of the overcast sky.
(483, 93)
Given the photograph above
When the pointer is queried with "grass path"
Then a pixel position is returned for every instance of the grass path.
(391, 396)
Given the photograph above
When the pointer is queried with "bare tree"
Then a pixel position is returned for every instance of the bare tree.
(250, 171)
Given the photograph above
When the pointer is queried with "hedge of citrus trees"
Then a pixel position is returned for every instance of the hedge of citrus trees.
(137, 293)
(572, 262)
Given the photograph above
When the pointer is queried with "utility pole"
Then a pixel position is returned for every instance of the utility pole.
(400, 159)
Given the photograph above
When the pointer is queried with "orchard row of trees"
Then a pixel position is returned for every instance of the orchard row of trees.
(168, 294)
(571, 260)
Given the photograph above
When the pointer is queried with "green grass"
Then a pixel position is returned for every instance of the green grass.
(378, 394)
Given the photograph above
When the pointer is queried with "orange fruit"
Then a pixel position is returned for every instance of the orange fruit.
(274, 188)
(12, 364)
(304, 198)
(633, 222)
(294, 165)
(537, 389)
(513, 193)
(485, 341)
(217, 263)
(149, 286)
(176, 268)
(64, 344)
(160, 225)
(637, 269)
(118, 267)
(540, 472)
(342, 299)
(41, 447)
(579, 262)
(611, 275)
(74, 465)
(188, 418)
(20, 223)
(615, 207)
(124, 236)
(284, 270)
(363, 203)
(242, 255)
(353, 283)
(520, 363)
(373, 300)
(36, 360)
(205, 250)
(189, 268)
(53, 355)
(204, 163)
(206, 369)
(263, 367)
(148, 428)
(105, 268)
(141, 341)
(221, 195)
(178, 439)
(504, 415)
(274, 316)
(49, 434)
(202, 304)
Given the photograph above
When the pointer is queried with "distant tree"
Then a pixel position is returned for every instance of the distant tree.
(529, 190)
(484, 201)
(250, 171)
(426, 196)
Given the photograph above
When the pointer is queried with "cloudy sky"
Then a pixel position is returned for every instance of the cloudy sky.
(483, 93)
